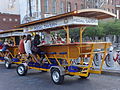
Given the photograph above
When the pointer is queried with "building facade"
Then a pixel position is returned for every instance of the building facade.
(9, 6)
(37, 9)
(117, 7)
(8, 21)
(108, 5)
(9, 14)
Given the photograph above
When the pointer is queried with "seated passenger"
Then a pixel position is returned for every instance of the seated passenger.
(59, 40)
(35, 43)
(27, 45)
(5, 45)
(11, 42)
(21, 45)
(43, 41)
(48, 38)
(36, 49)
(1, 45)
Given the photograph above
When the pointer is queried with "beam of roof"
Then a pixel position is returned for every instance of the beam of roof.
(11, 30)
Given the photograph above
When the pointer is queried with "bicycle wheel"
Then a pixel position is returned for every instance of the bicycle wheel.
(107, 60)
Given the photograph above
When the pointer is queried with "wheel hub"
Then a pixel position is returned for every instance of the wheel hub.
(7, 64)
(55, 76)
(20, 70)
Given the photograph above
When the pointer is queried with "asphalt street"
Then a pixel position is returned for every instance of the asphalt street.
(36, 80)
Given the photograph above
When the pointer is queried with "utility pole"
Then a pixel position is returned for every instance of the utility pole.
(30, 9)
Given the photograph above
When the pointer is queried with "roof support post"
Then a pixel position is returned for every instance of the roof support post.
(81, 31)
(66, 28)
(13, 38)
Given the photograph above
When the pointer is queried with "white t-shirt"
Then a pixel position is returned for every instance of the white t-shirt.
(27, 47)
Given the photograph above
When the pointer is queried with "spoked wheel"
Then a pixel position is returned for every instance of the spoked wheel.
(7, 64)
(56, 77)
(96, 60)
(22, 70)
(107, 60)
(118, 61)
(83, 77)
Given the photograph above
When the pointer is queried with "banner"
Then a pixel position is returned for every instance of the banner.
(72, 20)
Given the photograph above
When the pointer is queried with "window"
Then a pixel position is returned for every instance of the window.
(69, 7)
(46, 6)
(112, 10)
(16, 20)
(82, 6)
(4, 19)
(108, 9)
(108, 1)
(112, 1)
(10, 19)
(76, 6)
(61, 7)
(11, 3)
(54, 6)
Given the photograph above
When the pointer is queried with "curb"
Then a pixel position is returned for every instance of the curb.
(111, 72)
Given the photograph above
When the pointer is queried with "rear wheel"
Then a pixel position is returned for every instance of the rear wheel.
(56, 77)
(7, 64)
(22, 70)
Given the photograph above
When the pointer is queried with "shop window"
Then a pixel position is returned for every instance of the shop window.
(76, 6)
(4, 19)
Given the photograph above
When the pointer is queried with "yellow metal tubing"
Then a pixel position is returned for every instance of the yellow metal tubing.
(57, 60)
(47, 59)
(81, 31)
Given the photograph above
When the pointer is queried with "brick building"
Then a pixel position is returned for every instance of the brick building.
(38, 9)
(8, 21)
(108, 5)
(54, 7)
(9, 14)
(117, 7)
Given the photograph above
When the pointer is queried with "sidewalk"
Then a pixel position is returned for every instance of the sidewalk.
(111, 72)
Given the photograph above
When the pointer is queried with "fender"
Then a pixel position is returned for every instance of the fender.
(62, 70)
(25, 64)
(6, 58)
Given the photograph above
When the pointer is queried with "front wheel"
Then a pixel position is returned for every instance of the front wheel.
(22, 70)
(7, 64)
(118, 61)
(56, 77)
(97, 59)
(107, 60)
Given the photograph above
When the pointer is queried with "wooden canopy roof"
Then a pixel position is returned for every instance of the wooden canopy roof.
(89, 13)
